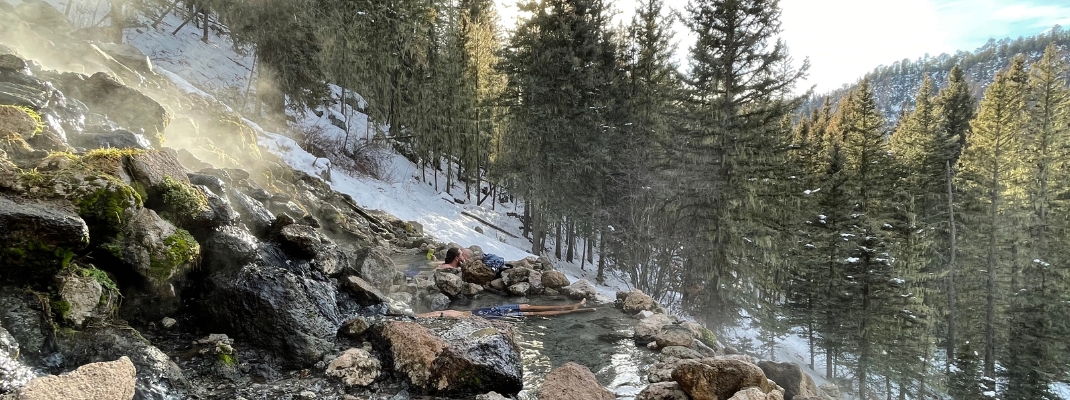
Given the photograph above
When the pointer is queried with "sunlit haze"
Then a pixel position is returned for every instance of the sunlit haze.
(844, 39)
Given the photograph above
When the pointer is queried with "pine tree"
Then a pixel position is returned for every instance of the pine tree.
(991, 173)
(739, 89)
(1037, 314)
(958, 106)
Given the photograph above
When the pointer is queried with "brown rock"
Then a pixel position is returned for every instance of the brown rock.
(152, 167)
(478, 273)
(16, 120)
(637, 301)
(674, 335)
(417, 356)
(554, 279)
(573, 382)
(790, 377)
(97, 381)
(713, 379)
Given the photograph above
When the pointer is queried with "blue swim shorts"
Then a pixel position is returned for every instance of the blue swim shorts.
(504, 310)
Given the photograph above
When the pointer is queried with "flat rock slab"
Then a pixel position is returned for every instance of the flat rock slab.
(97, 381)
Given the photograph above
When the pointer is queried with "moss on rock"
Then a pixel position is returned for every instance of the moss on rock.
(107, 204)
(181, 201)
(21, 120)
(180, 249)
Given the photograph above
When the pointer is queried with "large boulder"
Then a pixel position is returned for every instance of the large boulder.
(118, 138)
(554, 279)
(662, 391)
(362, 292)
(157, 376)
(450, 284)
(81, 294)
(155, 249)
(514, 276)
(277, 303)
(637, 301)
(580, 289)
(478, 273)
(152, 168)
(355, 367)
(303, 241)
(714, 379)
(649, 327)
(573, 381)
(673, 335)
(127, 106)
(37, 239)
(98, 381)
(18, 120)
(468, 357)
(754, 393)
(792, 378)
(128, 55)
(376, 267)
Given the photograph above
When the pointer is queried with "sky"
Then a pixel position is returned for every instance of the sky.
(844, 39)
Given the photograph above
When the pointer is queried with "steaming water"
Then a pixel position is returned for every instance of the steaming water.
(601, 340)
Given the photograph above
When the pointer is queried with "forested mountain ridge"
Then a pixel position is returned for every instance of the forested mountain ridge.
(896, 85)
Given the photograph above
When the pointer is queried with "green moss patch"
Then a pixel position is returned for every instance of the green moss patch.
(180, 249)
(106, 205)
(181, 201)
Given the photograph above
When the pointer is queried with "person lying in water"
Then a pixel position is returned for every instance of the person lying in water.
(511, 310)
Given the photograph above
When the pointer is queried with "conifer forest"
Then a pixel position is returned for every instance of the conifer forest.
(913, 227)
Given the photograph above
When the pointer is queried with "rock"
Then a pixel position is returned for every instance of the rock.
(98, 381)
(662, 391)
(155, 250)
(754, 393)
(648, 328)
(376, 267)
(478, 273)
(466, 357)
(520, 289)
(355, 327)
(662, 371)
(535, 279)
(554, 279)
(253, 213)
(12, 63)
(128, 55)
(681, 352)
(363, 292)
(16, 120)
(82, 294)
(545, 262)
(738, 357)
(168, 323)
(471, 289)
(573, 381)
(13, 374)
(513, 276)
(118, 139)
(153, 168)
(127, 106)
(581, 289)
(303, 241)
(157, 376)
(37, 237)
(27, 327)
(830, 389)
(355, 367)
(449, 284)
(491, 396)
(402, 297)
(790, 377)
(497, 284)
(439, 302)
(711, 379)
(674, 335)
(291, 313)
(637, 301)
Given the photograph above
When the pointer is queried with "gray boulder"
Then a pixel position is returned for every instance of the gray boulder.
(573, 381)
(439, 302)
(791, 377)
(362, 292)
(674, 335)
(35, 237)
(81, 293)
(127, 106)
(449, 284)
(376, 267)
(520, 289)
(276, 304)
(581, 289)
(662, 391)
(118, 139)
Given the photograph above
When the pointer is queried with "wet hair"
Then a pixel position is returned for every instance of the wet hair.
(452, 254)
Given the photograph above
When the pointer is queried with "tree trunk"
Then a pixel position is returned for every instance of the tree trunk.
(557, 241)
(950, 277)
(583, 258)
(601, 257)
(590, 250)
(990, 301)
(571, 237)
(204, 33)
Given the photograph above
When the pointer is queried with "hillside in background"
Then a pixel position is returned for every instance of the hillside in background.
(896, 85)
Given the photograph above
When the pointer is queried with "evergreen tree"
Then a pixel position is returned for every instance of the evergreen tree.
(991, 174)
(958, 106)
(1037, 313)
(739, 89)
